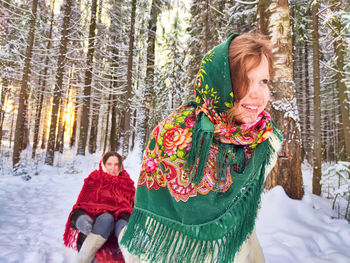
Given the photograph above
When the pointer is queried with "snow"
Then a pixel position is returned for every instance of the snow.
(33, 215)
(301, 231)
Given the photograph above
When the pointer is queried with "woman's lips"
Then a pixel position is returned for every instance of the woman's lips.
(253, 108)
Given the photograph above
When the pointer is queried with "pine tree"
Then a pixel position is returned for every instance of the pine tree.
(316, 187)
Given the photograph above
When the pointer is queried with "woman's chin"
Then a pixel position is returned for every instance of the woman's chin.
(247, 119)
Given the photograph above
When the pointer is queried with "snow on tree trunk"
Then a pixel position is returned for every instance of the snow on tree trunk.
(274, 21)
(23, 96)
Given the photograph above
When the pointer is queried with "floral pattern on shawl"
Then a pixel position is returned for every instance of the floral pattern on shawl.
(166, 154)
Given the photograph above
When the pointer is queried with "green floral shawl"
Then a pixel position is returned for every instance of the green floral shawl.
(201, 178)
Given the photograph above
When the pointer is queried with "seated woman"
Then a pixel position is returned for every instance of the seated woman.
(103, 208)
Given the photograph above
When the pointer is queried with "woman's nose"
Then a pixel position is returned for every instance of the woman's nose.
(253, 91)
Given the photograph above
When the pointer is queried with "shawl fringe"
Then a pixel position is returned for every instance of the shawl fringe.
(70, 236)
(202, 139)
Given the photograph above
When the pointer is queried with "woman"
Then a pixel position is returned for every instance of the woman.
(103, 208)
(204, 166)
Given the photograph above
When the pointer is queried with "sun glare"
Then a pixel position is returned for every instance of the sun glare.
(68, 119)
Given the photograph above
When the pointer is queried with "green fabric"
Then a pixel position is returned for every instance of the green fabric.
(208, 227)
(214, 74)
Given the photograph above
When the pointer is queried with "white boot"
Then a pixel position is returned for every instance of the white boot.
(128, 258)
(91, 244)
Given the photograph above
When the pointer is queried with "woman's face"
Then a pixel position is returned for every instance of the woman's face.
(112, 165)
(254, 102)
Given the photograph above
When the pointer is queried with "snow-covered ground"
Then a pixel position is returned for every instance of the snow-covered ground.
(33, 214)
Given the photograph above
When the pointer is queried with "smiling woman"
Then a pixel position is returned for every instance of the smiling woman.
(204, 166)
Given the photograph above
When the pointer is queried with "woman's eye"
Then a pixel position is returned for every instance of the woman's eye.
(264, 81)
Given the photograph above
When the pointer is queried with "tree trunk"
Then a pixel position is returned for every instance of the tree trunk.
(37, 123)
(61, 142)
(126, 131)
(300, 92)
(342, 91)
(107, 123)
(94, 125)
(43, 86)
(74, 128)
(50, 151)
(12, 124)
(307, 103)
(44, 132)
(23, 96)
(60, 122)
(149, 83)
(334, 128)
(317, 156)
(133, 137)
(84, 120)
(4, 91)
(274, 21)
(113, 133)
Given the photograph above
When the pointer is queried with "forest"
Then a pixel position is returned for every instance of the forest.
(98, 75)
